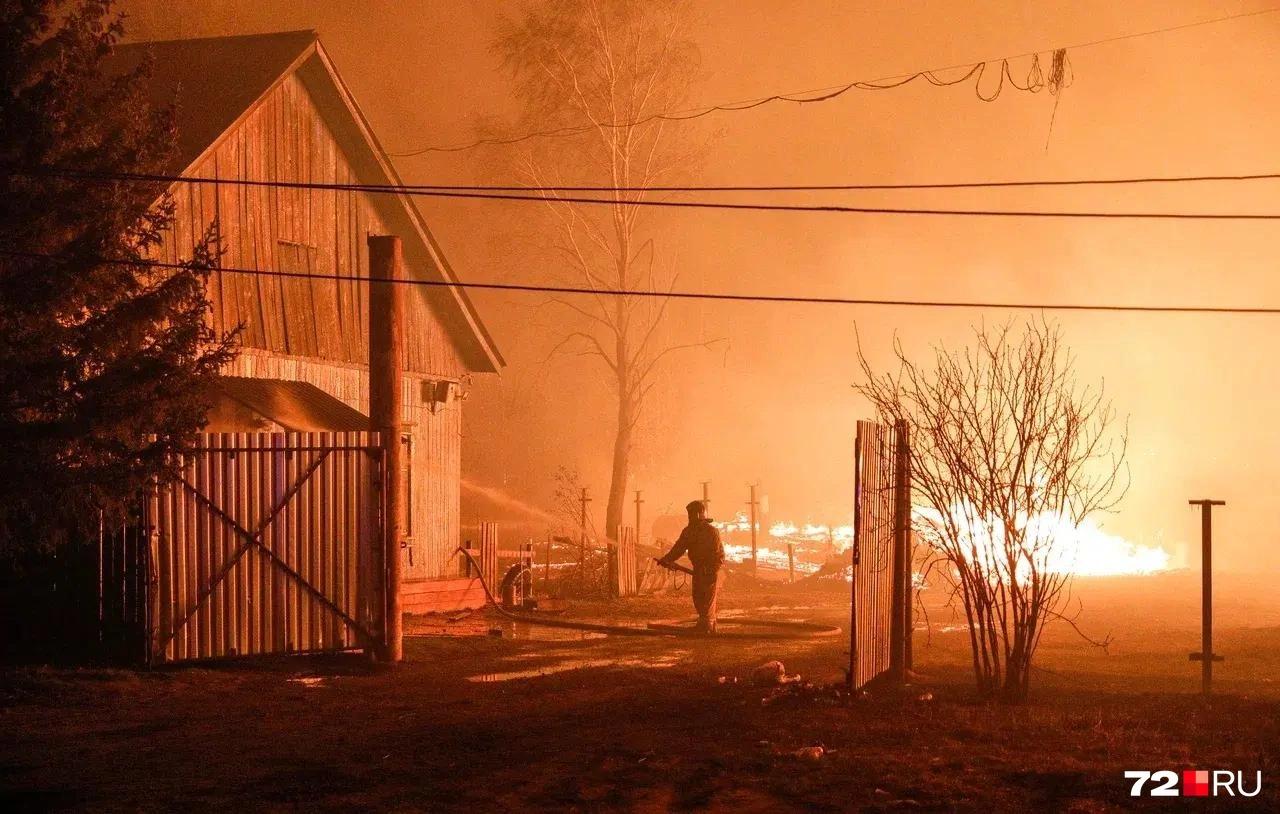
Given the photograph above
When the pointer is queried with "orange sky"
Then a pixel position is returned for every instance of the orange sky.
(776, 405)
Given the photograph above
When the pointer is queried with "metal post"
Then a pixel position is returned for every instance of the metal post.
(386, 372)
(1206, 656)
(791, 560)
(753, 503)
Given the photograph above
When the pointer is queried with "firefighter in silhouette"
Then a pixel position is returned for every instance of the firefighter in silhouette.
(701, 541)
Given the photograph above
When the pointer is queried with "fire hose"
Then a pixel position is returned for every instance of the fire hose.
(774, 629)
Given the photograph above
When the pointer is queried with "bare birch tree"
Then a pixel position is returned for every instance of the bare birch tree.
(1009, 455)
(592, 71)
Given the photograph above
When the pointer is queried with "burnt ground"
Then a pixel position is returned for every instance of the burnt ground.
(649, 724)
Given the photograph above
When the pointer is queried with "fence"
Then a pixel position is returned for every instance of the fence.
(491, 560)
(622, 563)
(267, 543)
(881, 562)
(83, 598)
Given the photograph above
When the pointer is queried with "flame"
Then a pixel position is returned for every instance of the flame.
(1061, 545)
(842, 536)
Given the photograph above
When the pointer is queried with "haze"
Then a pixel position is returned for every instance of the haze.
(774, 403)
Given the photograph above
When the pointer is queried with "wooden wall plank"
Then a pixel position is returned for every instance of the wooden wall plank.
(287, 139)
(289, 333)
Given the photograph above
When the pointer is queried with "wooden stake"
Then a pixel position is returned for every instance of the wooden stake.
(582, 550)
(546, 569)
(638, 502)
(753, 503)
(386, 376)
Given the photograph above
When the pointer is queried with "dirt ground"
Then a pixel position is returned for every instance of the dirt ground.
(485, 723)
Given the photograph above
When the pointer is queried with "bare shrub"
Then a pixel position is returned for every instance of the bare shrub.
(1009, 455)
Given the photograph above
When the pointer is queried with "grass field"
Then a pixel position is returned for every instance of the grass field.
(501, 724)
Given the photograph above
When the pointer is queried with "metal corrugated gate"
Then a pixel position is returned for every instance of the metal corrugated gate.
(267, 543)
(880, 554)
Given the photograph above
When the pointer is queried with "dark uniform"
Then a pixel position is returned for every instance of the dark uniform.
(701, 541)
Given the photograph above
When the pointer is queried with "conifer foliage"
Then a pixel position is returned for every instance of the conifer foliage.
(105, 367)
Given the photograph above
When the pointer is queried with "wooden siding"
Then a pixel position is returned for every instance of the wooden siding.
(317, 331)
(443, 595)
(286, 138)
(436, 451)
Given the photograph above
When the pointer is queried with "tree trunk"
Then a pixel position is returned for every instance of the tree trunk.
(621, 463)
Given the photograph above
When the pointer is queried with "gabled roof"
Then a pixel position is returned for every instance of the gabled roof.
(217, 82)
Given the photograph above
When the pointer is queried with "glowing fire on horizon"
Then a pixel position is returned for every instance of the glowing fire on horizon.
(1057, 544)
(1084, 549)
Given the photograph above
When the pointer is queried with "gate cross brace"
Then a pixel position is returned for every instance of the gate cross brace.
(255, 539)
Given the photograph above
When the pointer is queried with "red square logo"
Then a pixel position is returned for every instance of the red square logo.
(1195, 783)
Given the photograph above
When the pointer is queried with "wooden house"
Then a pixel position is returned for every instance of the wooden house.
(272, 107)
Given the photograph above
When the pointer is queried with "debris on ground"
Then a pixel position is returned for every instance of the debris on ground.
(772, 674)
(809, 753)
(768, 674)
(835, 694)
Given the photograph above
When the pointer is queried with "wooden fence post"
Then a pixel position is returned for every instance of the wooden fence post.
(386, 378)
(546, 569)
(150, 524)
(622, 563)
(526, 582)
(899, 632)
(489, 556)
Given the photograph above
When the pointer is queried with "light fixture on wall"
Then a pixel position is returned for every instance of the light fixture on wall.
(438, 393)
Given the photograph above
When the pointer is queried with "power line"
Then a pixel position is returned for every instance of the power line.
(690, 295)
(682, 204)
(407, 189)
(799, 97)
(827, 93)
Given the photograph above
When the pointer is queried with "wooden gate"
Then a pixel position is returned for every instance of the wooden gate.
(267, 543)
(881, 561)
